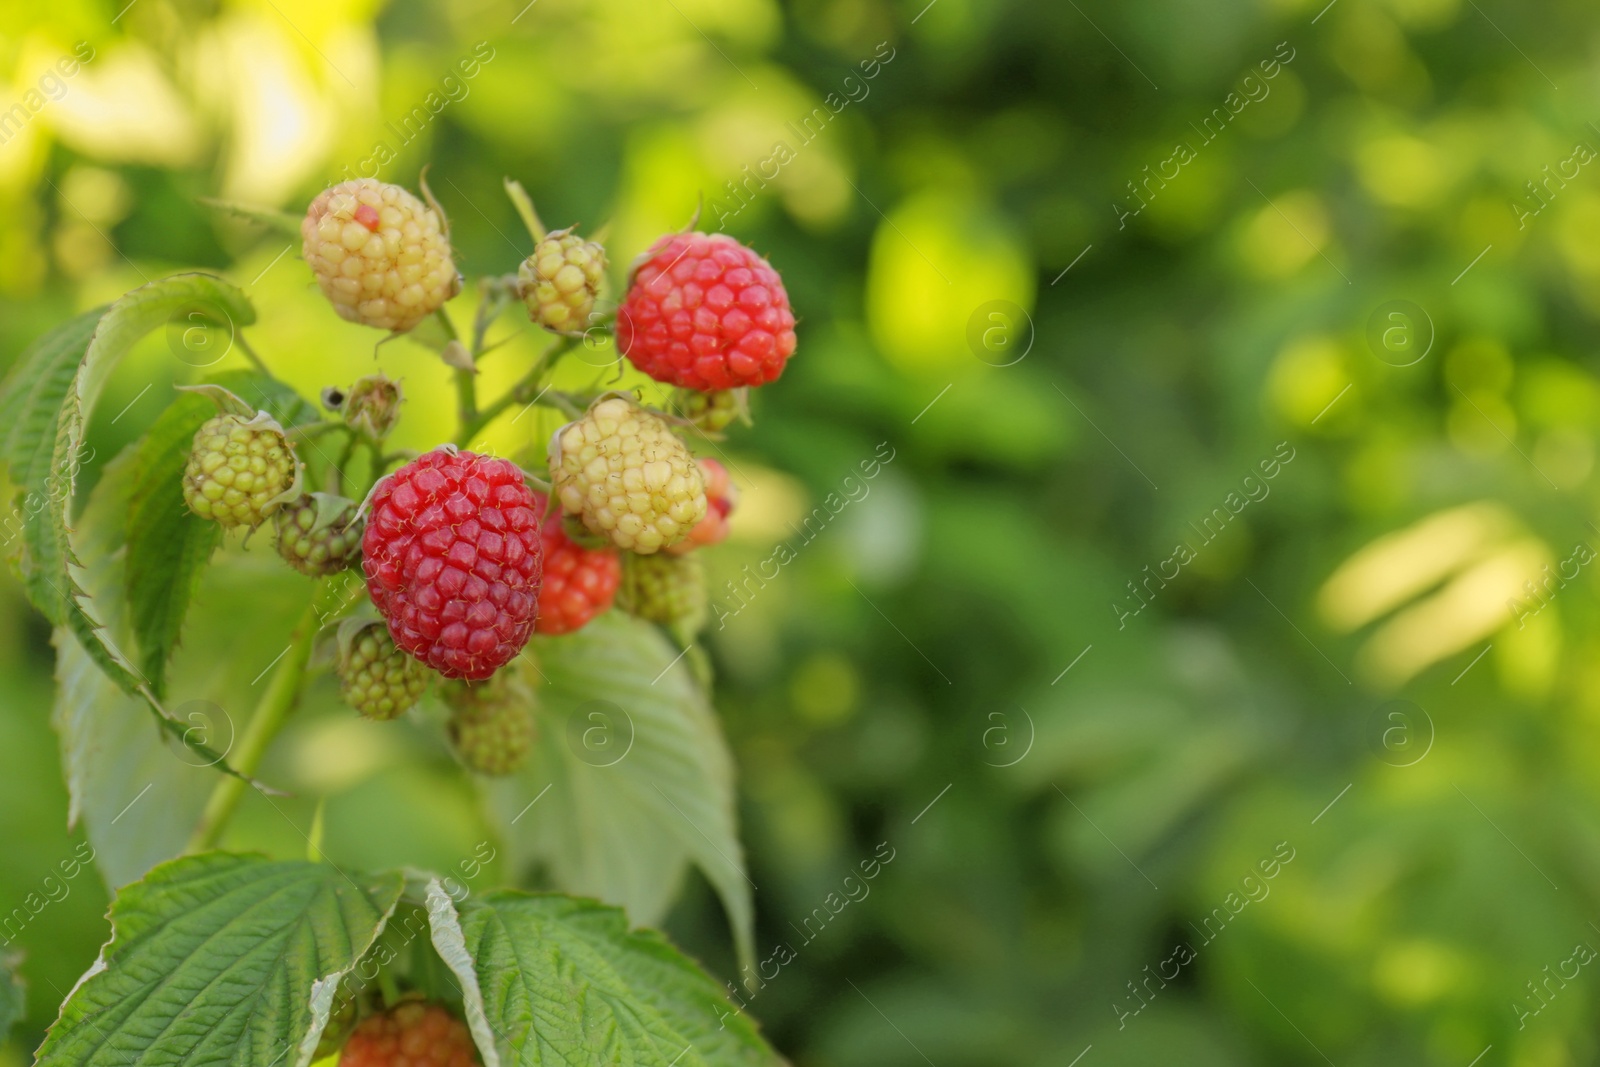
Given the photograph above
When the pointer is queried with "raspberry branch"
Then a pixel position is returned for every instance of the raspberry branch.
(250, 354)
(466, 380)
(527, 391)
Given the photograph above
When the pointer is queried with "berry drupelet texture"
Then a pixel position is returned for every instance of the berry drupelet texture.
(238, 469)
(579, 582)
(380, 254)
(621, 469)
(318, 541)
(377, 678)
(560, 281)
(412, 1034)
(705, 312)
(452, 558)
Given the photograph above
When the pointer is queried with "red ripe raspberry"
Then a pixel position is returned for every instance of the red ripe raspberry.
(413, 1034)
(705, 312)
(579, 582)
(452, 560)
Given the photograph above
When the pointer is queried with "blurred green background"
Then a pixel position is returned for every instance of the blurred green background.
(1347, 684)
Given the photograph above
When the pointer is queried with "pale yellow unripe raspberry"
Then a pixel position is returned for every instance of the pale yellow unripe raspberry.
(627, 476)
(239, 470)
(560, 281)
(379, 254)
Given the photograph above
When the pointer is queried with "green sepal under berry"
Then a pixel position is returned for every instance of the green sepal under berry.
(376, 677)
(320, 534)
(227, 401)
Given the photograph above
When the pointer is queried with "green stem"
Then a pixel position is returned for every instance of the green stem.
(265, 722)
(334, 481)
(310, 430)
(466, 385)
(250, 353)
(497, 294)
(388, 986)
(525, 391)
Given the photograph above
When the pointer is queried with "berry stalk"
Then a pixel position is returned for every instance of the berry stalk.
(466, 379)
(524, 392)
(265, 721)
(250, 354)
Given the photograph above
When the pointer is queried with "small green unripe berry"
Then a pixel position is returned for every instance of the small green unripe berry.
(315, 542)
(709, 411)
(665, 589)
(377, 678)
(491, 723)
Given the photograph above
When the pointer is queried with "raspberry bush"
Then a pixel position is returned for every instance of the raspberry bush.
(448, 594)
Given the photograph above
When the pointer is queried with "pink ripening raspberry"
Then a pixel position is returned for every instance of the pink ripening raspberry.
(705, 312)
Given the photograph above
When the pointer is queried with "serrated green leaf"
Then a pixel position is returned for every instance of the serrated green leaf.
(281, 221)
(12, 1000)
(168, 545)
(90, 711)
(558, 980)
(639, 777)
(111, 757)
(276, 398)
(31, 397)
(47, 402)
(218, 959)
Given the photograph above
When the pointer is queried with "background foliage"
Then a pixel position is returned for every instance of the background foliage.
(1084, 822)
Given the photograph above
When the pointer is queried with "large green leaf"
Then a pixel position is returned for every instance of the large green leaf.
(638, 773)
(111, 757)
(47, 401)
(168, 545)
(552, 979)
(138, 790)
(216, 959)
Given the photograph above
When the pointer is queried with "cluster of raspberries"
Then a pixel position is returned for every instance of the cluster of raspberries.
(462, 559)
